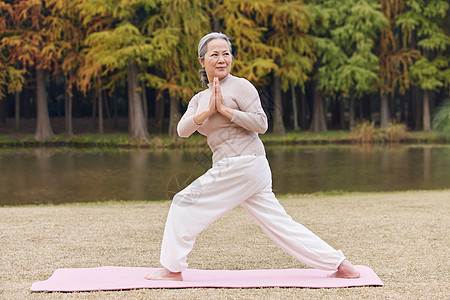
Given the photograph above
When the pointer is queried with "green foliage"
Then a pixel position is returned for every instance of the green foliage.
(425, 18)
(186, 20)
(346, 31)
(441, 120)
(244, 22)
(290, 22)
(125, 37)
(350, 46)
(395, 56)
(431, 75)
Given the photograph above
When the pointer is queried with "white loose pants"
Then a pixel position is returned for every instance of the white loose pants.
(244, 180)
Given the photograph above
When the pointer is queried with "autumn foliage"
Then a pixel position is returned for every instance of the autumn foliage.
(309, 59)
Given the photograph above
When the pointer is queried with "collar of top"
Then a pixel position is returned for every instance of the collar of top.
(221, 81)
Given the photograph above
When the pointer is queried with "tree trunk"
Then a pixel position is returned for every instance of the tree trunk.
(409, 109)
(159, 115)
(403, 108)
(294, 107)
(3, 112)
(419, 113)
(29, 97)
(68, 114)
(414, 116)
(318, 122)
(341, 106)
(145, 105)
(174, 116)
(100, 110)
(426, 111)
(359, 109)
(384, 111)
(94, 110)
(392, 108)
(137, 124)
(116, 110)
(352, 113)
(106, 103)
(51, 95)
(418, 108)
(432, 102)
(17, 111)
(278, 124)
(303, 114)
(366, 109)
(43, 128)
(131, 124)
(334, 110)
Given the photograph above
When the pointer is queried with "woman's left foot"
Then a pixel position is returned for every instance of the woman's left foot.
(165, 274)
(346, 270)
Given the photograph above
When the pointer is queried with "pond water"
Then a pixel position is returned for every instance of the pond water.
(37, 176)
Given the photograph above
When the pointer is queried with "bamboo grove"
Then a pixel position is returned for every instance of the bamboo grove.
(318, 64)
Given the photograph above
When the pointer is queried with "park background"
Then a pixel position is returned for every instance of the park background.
(83, 66)
(120, 73)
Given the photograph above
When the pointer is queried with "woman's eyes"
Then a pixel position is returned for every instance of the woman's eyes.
(225, 54)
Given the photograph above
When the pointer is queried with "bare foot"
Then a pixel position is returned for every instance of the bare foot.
(346, 270)
(164, 274)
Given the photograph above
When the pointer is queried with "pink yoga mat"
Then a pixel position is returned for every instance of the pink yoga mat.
(125, 278)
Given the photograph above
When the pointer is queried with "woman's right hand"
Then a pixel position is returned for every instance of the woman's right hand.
(202, 116)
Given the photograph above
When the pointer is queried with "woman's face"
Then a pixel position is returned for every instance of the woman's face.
(218, 59)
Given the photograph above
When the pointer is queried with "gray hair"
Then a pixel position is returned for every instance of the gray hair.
(202, 48)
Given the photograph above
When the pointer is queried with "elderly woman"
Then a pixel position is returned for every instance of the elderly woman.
(229, 113)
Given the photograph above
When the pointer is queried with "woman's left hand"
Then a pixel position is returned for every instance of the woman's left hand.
(220, 104)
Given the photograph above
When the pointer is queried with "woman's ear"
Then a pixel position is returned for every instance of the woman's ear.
(201, 62)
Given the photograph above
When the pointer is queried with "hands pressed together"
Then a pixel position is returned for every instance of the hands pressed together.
(216, 104)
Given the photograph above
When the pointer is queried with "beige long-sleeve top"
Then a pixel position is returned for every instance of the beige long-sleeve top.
(225, 137)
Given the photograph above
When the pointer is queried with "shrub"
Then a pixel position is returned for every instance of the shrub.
(441, 120)
(394, 133)
(364, 132)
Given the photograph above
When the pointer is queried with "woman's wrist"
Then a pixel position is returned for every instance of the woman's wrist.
(201, 117)
(197, 122)
(227, 112)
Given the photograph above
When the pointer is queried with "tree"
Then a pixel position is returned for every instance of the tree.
(186, 21)
(128, 45)
(425, 18)
(11, 78)
(395, 58)
(288, 27)
(289, 55)
(255, 58)
(67, 20)
(441, 120)
(345, 38)
(247, 23)
(32, 41)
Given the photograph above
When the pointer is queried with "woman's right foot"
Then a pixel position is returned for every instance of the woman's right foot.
(346, 270)
(164, 274)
